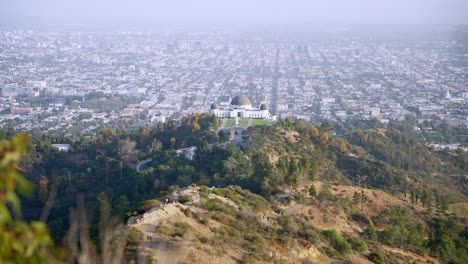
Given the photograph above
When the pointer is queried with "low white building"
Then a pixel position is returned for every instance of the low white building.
(134, 91)
(240, 107)
(61, 147)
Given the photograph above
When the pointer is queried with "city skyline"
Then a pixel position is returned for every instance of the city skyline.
(62, 78)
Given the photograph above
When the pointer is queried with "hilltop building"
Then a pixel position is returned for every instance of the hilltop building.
(240, 107)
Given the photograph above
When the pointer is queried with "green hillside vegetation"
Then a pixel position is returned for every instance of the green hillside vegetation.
(320, 190)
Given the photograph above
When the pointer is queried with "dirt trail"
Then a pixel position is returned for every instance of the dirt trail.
(168, 251)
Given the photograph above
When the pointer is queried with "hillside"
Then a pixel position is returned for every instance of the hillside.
(378, 194)
(231, 225)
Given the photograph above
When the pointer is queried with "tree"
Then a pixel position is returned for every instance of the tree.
(312, 191)
(324, 138)
(356, 198)
(325, 194)
(127, 150)
(363, 199)
(195, 126)
(315, 132)
(134, 237)
(343, 146)
(173, 142)
(359, 198)
(441, 203)
(426, 198)
(447, 240)
(156, 145)
(43, 189)
(222, 136)
(121, 204)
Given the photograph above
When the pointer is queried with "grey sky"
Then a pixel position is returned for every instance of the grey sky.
(342, 11)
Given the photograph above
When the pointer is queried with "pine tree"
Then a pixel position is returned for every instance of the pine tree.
(359, 198)
(356, 198)
(363, 199)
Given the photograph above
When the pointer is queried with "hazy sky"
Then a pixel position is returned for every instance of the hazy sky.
(289, 11)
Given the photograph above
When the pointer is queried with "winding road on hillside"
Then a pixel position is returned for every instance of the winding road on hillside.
(142, 165)
(235, 137)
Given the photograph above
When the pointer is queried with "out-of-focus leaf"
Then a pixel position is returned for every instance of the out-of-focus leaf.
(20, 242)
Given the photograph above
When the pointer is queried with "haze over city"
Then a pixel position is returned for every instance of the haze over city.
(239, 11)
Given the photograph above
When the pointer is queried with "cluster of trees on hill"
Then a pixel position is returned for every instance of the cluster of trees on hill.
(272, 158)
(105, 163)
(396, 148)
(443, 238)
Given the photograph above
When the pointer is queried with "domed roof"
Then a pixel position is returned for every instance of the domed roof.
(214, 106)
(241, 100)
(264, 107)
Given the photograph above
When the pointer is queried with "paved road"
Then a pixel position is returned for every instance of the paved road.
(274, 88)
(142, 165)
(223, 123)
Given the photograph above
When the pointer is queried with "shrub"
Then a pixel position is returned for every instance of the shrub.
(258, 203)
(287, 224)
(376, 257)
(247, 259)
(202, 239)
(134, 237)
(200, 217)
(222, 218)
(337, 241)
(312, 191)
(180, 229)
(308, 233)
(218, 205)
(163, 230)
(204, 191)
(151, 258)
(148, 204)
(187, 212)
(186, 198)
(357, 244)
(360, 218)
(371, 233)
(325, 194)
(228, 193)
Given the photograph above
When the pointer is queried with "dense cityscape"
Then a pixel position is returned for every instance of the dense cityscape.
(234, 131)
(56, 81)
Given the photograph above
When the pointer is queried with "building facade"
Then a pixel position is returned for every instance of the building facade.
(240, 107)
